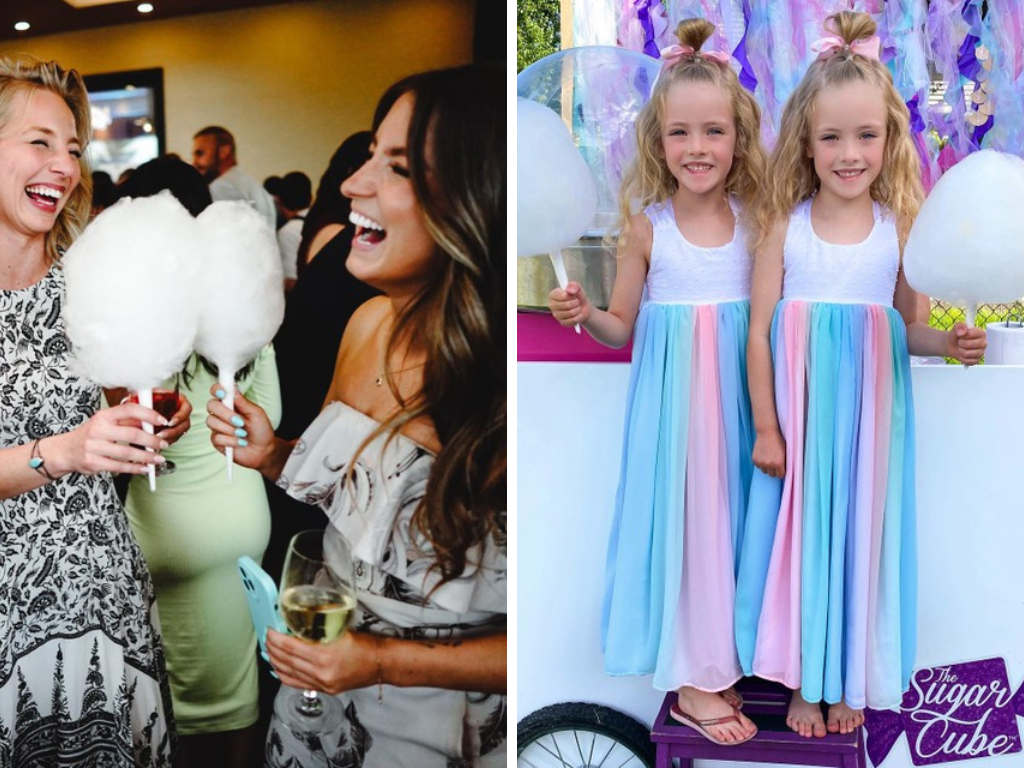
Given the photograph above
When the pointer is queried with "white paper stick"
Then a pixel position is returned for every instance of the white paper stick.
(971, 310)
(563, 278)
(227, 383)
(146, 401)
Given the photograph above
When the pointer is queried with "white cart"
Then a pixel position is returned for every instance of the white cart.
(970, 536)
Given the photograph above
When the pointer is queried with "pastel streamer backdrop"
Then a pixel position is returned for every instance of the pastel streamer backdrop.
(965, 43)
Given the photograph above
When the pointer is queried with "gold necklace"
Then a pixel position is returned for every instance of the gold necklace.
(379, 381)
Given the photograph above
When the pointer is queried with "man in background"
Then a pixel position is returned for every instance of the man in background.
(295, 193)
(213, 155)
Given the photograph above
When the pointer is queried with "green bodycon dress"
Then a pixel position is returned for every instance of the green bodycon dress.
(192, 531)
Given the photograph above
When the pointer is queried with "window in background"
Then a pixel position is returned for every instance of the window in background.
(127, 119)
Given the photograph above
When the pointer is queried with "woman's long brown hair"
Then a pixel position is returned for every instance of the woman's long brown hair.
(456, 148)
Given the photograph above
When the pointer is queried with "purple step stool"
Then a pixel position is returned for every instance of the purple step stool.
(765, 703)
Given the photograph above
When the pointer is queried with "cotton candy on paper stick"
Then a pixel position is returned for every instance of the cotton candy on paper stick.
(132, 310)
(555, 194)
(967, 243)
(243, 291)
(603, 88)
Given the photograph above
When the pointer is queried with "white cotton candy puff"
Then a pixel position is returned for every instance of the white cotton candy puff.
(556, 198)
(243, 301)
(967, 244)
(132, 302)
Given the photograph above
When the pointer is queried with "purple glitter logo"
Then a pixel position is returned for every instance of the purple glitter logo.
(955, 712)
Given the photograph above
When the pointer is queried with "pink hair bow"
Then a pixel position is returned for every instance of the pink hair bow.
(673, 53)
(829, 45)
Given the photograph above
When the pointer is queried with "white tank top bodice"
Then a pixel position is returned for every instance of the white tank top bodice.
(860, 273)
(683, 273)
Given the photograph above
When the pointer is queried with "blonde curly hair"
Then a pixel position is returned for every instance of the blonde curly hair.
(791, 176)
(648, 179)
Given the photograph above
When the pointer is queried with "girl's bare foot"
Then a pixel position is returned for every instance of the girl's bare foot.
(805, 718)
(842, 719)
(701, 705)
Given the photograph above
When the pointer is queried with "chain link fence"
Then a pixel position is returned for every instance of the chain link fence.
(945, 316)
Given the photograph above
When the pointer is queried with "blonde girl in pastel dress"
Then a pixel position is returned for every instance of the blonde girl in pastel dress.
(683, 285)
(826, 595)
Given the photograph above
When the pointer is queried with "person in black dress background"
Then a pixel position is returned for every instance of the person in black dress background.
(317, 310)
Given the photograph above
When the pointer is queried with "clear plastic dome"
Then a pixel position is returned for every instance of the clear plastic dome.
(598, 90)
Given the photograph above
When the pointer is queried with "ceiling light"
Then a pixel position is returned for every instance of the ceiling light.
(145, 7)
(90, 3)
(21, 26)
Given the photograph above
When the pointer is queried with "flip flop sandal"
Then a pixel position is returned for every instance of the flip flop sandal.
(732, 698)
(699, 725)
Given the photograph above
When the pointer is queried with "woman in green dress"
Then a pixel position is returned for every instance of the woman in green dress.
(192, 531)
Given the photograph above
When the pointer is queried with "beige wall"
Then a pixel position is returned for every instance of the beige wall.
(290, 81)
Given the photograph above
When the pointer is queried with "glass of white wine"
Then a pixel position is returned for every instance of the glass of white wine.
(317, 600)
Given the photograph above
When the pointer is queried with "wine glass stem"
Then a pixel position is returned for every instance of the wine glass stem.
(310, 704)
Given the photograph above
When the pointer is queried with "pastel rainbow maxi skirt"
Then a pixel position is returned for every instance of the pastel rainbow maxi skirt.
(678, 523)
(827, 590)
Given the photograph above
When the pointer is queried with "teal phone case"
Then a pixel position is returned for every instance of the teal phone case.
(261, 593)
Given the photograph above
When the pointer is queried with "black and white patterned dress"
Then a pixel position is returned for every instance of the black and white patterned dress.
(82, 678)
(403, 727)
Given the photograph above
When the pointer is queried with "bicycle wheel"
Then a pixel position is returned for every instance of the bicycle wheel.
(578, 735)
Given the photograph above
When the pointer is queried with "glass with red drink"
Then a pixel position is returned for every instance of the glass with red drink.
(166, 404)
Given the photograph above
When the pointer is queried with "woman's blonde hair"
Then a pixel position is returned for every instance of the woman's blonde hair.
(791, 172)
(27, 74)
(648, 179)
